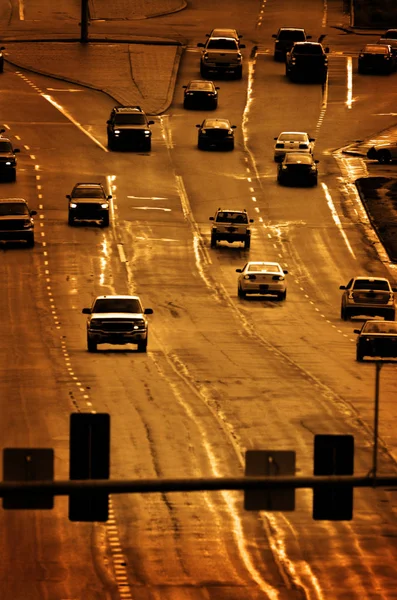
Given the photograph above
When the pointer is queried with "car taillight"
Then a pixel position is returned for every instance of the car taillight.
(278, 277)
(251, 277)
(303, 146)
(280, 145)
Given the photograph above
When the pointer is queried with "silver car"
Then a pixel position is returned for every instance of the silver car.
(369, 296)
(292, 141)
(265, 278)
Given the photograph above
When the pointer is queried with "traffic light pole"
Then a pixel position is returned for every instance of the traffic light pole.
(378, 366)
(84, 22)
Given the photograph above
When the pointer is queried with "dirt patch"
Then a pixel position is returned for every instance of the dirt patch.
(379, 197)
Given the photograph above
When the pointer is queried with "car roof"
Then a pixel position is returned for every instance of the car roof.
(294, 132)
(300, 44)
(116, 296)
(259, 263)
(6, 200)
(127, 109)
(5, 139)
(232, 210)
(365, 278)
(291, 29)
(88, 184)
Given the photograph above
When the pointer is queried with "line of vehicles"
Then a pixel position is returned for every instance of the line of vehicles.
(122, 319)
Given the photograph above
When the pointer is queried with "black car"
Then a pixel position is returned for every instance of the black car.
(88, 202)
(8, 161)
(16, 222)
(308, 61)
(298, 168)
(216, 133)
(376, 58)
(376, 339)
(286, 38)
(200, 94)
(129, 127)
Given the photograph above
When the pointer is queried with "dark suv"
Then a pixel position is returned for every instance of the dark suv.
(307, 60)
(16, 221)
(8, 161)
(286, 38)
(88, 202)
(128, 126)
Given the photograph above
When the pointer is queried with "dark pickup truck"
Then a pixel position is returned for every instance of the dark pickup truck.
(307, 61)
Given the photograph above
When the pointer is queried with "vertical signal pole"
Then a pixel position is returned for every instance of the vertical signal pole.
(378, 365)
(84, 22)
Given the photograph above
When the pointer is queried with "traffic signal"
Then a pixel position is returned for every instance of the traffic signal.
(333, 455)
(89, 459)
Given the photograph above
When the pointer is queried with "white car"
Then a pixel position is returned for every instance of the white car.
(292, 141)
(266, 278)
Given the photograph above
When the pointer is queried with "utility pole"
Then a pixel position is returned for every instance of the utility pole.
(84, 22)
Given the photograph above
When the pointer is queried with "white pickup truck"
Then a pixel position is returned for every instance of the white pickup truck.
(117, 320)
(221, 55)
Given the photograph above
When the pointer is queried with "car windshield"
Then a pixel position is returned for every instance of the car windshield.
(130, 119)
(380, 327)
(214, 123)
(302, 158)
(227, 217)
(200, 85)
(266, 268)
(366, 284)
(13, 208)
(292, 35)
(87, 192)
(117, 305)
(308, 49)
(222, 44)
(292, 137)
(5, 146)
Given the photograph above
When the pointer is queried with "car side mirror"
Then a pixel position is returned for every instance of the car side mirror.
(198, 125)
(275, 138)
(2, 130)
(33, 212)
(316, 161)
(68, 196)
(285, 272)
(274, 35)
(16, 150)
(356, 330)
(2, 48)
(312, 139)
(151, 122)
(326, 50)
(251, 220)
(342, 287)
(211, 218)
(239, 270)
(148, 311)
(394, 289)
(108, 122)
(308, 37)
(234, 126)
(86, 311)
(217, 88)
(242, 45)
(109, 197)
(200, 45)
(207, 35)
(184, 86)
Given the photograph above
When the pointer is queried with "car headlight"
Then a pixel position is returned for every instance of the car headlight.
(117, 131)
(147, 132)
(230, 132)
(105, 205)
(293, 61)
(139, 324)
(8, 163)
(95, 324)
(313, 167)
(284, 168)
(72, 205)
(203, 132)
(361, 56)
(239, 57)
(205, 56)
(28, 224)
